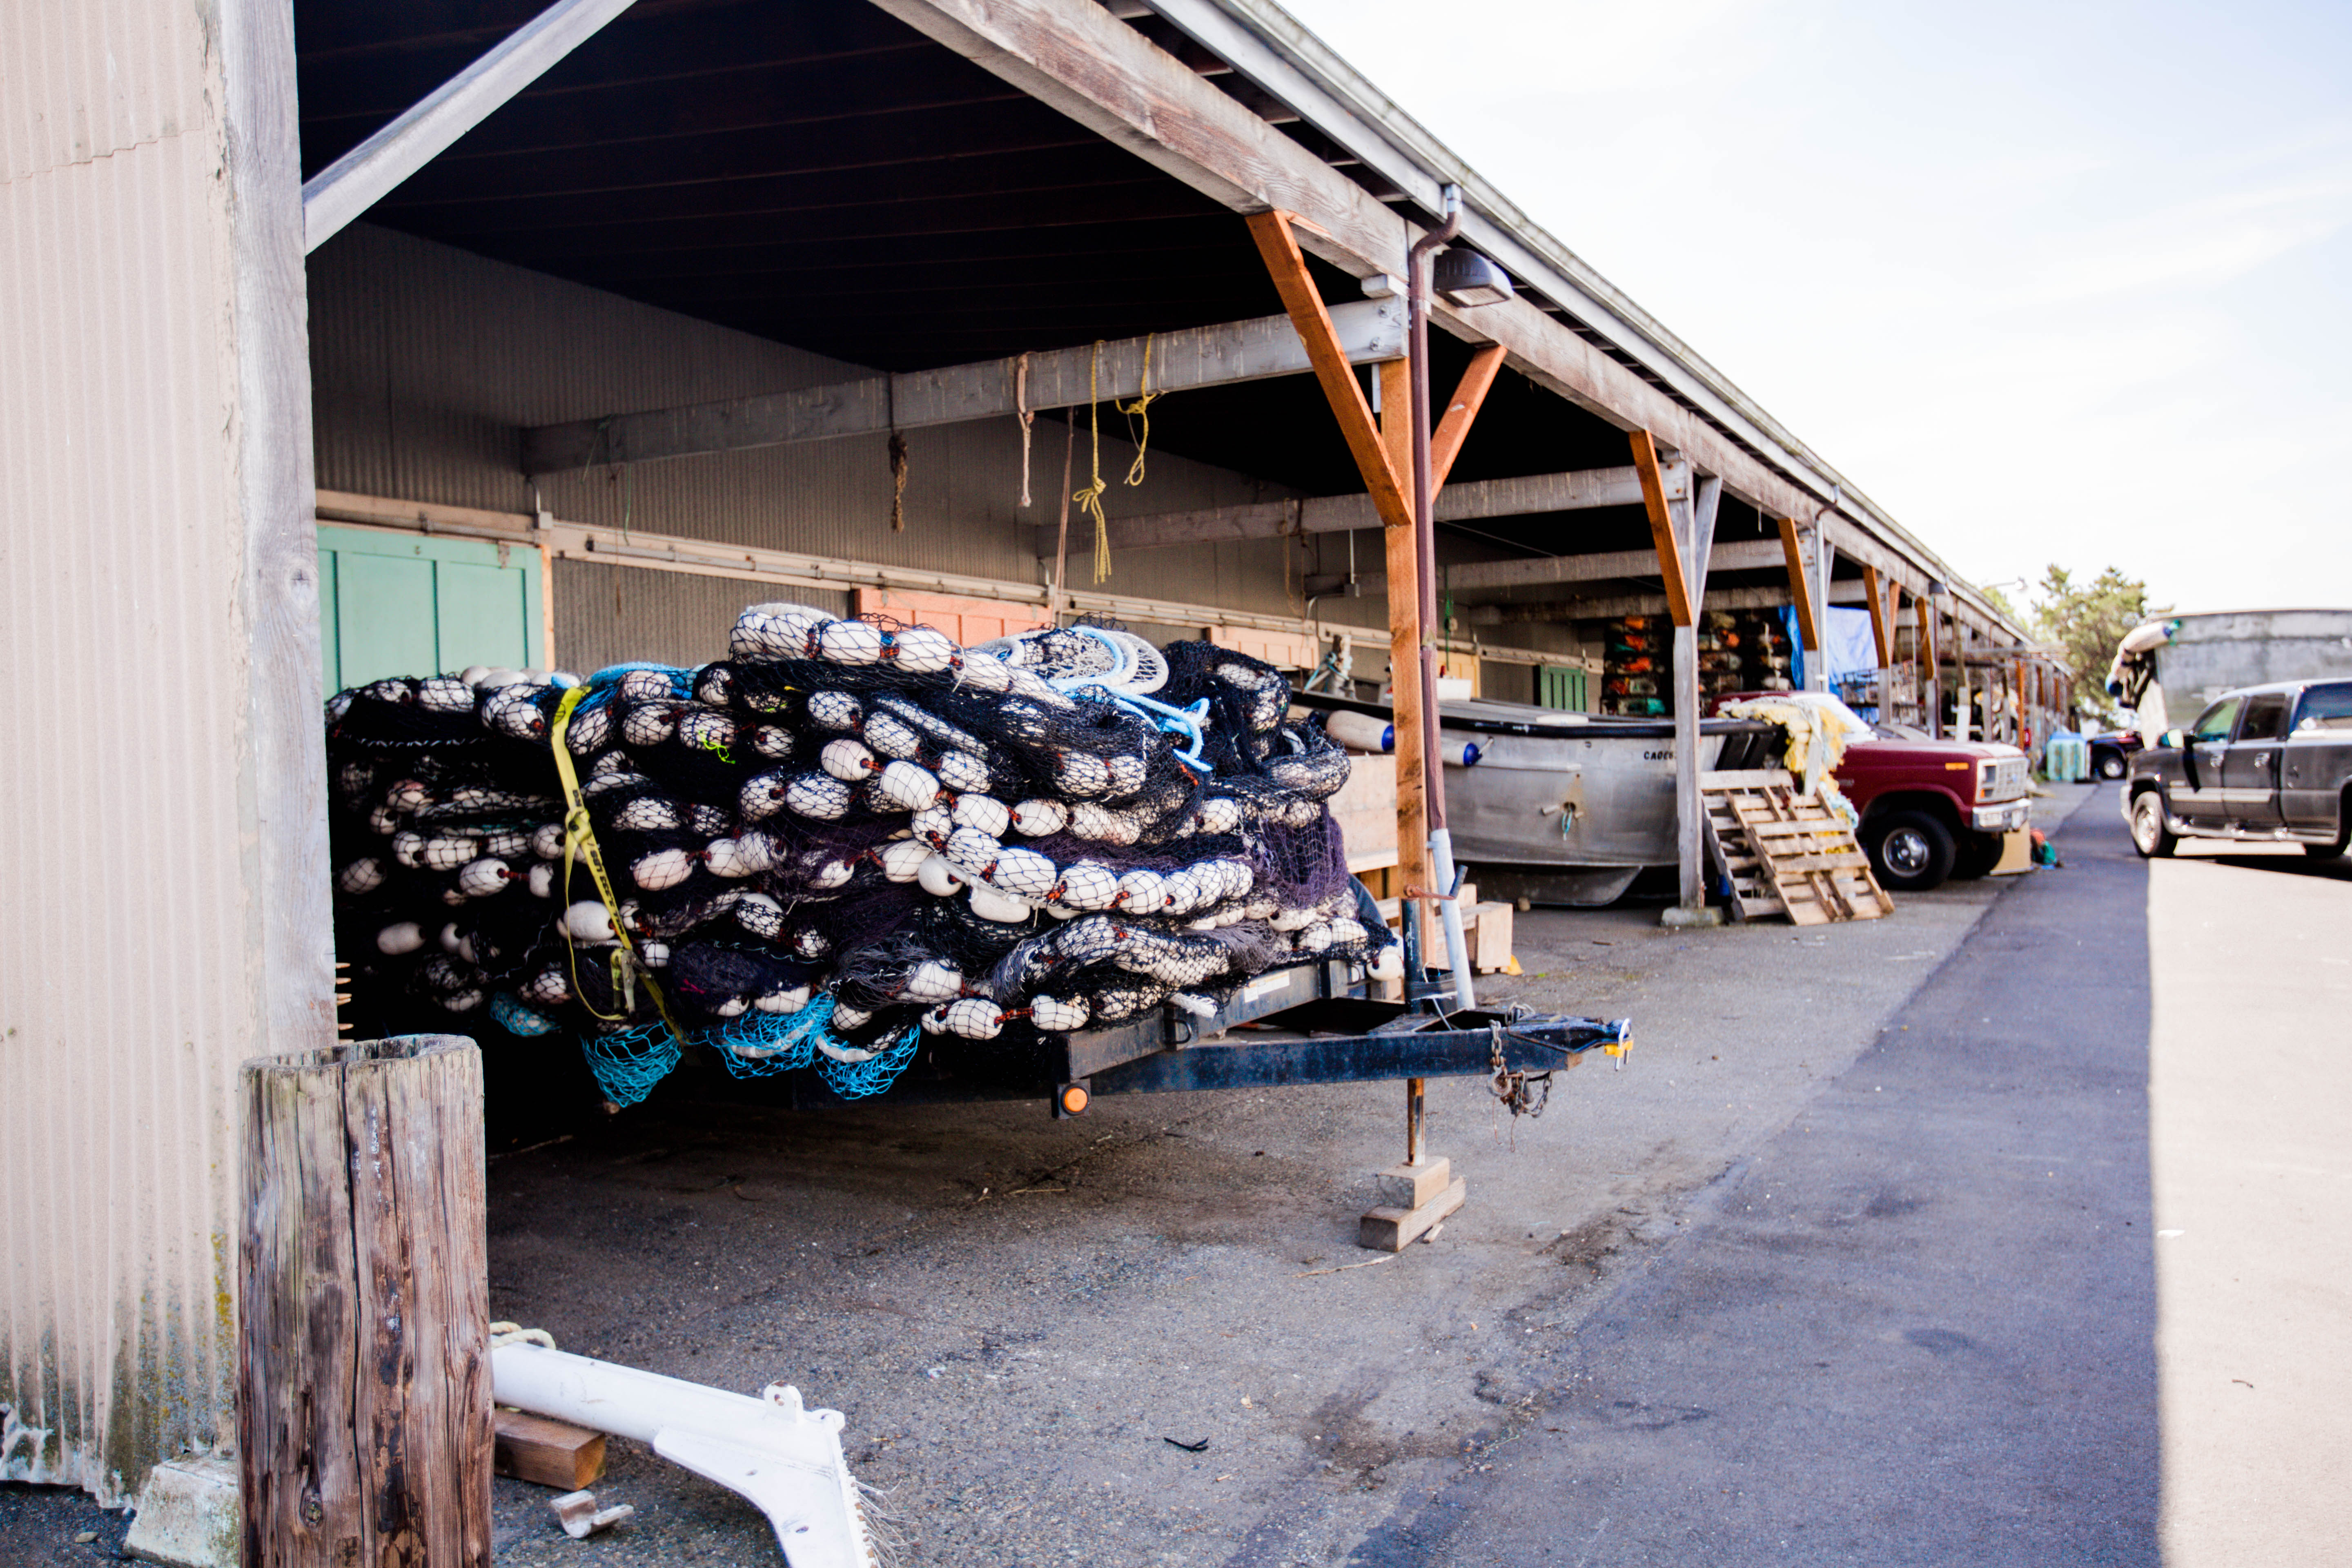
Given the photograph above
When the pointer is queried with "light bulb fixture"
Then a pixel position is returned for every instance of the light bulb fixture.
(1466, 278)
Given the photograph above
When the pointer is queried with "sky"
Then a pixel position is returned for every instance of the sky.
(2055, 283)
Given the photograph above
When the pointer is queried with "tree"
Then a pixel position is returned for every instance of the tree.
(2088, 620)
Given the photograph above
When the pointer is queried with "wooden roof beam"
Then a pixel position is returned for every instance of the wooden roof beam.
(1363, 332)
(1576, 491)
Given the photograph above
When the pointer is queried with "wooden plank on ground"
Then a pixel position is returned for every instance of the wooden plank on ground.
(550, 1453)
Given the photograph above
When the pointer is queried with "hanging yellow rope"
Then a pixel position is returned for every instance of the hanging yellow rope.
(1139, 409)
(1090, 494)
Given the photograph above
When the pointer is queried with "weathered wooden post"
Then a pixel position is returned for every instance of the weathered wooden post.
(363, 1397)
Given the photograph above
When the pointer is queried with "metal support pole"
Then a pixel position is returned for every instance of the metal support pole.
(1424, 511)
(1415, 1110)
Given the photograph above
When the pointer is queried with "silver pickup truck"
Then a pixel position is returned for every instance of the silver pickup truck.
(2269, 762)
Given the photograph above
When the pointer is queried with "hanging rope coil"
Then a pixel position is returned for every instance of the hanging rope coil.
(1090, 495)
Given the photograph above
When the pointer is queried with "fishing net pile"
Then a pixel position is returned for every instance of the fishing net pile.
(848, 839)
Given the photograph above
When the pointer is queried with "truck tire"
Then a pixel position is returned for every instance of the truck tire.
(1976, 853)
(2111, 764)
(2149, 835)
(1910, 851)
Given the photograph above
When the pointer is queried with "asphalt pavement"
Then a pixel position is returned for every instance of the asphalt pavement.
(1916, 1326)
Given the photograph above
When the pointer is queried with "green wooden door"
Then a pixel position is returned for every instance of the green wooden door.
(1559, 687)
(398, 604)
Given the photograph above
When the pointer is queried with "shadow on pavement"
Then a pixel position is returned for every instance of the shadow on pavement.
(1916, 1326)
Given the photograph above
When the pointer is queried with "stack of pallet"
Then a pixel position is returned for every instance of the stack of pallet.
(1786, 853)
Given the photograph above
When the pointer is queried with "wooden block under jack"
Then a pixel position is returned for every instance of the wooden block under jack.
(1395, 1229)
(2016, 853)
(553, 1453)
(1410, 1186)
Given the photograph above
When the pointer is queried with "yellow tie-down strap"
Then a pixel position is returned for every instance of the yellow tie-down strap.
(579, 843)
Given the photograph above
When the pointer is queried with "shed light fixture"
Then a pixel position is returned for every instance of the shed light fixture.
(1466, 278)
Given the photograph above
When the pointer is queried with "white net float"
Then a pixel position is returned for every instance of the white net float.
(404, 936)
(706, 731)
(759, 914)
(902, 858)
(766, 633)
(790, 1001)
(714, 686)
(1126, 774)
(1025, 874)
(1140, 892)
(810, 943)
(972, 851)
(645, 686)
(939, 876)
(846, 1016)
(849, 642)
(589, 730)
(982, 673)
(364, 875)
(890, 735)
(832, 873)
(1037, 818)
(649, 723)
(973, 1018)
(547, 840)
(1054, 1016)
(931, 981)
(983, 813)
(548, 988)
(990, 905)
(540, 880)
(816, 797)
(1087, 885)
(588, 921)
(772, 742)
(649, 815)
(480, 878)
(908, 786)
(1081, 775)
(920, 650)
(961, 770)
(847, 760)
(734, 1007)
(835, 711)
(933, 824)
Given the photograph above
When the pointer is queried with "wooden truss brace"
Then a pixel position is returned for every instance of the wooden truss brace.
(364, 176)
(1658, 484)
(1881, 599)
(1801, 587)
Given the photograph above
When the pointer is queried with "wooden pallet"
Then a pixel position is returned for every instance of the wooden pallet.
(1786, 853)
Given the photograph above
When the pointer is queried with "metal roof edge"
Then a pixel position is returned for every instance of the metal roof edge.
(1495, 223)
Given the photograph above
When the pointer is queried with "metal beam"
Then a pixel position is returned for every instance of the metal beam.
(1368, 331)
(1461, 502)
(361, 177)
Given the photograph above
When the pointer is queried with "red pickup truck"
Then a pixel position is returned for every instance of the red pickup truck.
(1930, 809)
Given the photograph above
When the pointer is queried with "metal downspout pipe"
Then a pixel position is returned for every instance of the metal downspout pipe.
(1424, 523)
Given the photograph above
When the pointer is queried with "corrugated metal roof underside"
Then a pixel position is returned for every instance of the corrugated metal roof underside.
(127, 988)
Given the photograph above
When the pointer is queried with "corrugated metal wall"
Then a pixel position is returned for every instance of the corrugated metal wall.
(426, 360)
(128, 986)
(614, 614)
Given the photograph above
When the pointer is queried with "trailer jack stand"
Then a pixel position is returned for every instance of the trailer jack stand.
(1416, 1195)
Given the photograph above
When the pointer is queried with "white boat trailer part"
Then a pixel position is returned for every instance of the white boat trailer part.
(786, 1459)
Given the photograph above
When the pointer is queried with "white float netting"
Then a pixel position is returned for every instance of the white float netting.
(849, 837)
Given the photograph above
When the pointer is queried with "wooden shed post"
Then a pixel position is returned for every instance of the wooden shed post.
(364, 1399)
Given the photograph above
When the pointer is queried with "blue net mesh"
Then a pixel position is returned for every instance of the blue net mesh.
(760, 1043)
(628, 1064)
(855, 1080)
(516, 1019)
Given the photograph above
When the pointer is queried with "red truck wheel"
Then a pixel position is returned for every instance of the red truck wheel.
(1910, 851)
